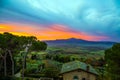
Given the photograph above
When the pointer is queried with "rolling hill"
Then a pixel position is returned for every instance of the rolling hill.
(78, 46)
(73, 42)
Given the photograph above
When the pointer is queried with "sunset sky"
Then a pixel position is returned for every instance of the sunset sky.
(97, 20)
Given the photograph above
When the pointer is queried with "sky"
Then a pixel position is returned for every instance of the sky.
(94, 20)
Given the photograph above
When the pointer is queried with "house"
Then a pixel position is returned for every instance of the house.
(77, 70)
(45, 78)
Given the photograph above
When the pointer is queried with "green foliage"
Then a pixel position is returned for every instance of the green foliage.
(51, 72)
(16, 78)
(38, 46)
(13, 44)
(112, 57)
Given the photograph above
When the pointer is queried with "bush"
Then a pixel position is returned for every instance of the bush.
(9, 78)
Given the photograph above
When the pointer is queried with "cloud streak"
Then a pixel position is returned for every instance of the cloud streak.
(51, 33)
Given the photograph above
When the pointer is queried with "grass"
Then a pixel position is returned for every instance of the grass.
(80, 51)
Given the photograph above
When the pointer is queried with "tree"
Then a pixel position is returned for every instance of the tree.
(38, 46)
(11, 45)
(30, 44)
(112, 57)
(51, 72)
(7, 45)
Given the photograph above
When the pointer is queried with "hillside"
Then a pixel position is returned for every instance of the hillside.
(78, 46)
(72, 42)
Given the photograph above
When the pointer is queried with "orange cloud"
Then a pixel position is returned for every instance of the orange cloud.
(47, 33)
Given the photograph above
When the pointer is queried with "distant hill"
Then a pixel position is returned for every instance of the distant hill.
(73, 42)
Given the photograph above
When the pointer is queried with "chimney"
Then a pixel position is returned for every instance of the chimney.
(87, 68)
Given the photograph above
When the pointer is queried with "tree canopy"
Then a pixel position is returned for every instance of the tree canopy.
(11, 45)
(112, 57)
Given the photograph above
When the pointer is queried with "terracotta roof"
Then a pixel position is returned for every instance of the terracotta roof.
(74, 65)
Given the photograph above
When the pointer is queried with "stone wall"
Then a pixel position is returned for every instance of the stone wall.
(81, 74)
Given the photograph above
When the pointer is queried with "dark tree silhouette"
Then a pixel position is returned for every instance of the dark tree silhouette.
(112, 57)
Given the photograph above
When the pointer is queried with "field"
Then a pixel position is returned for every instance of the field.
(81, 51)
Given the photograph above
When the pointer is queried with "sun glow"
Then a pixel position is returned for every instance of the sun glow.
(55, 31)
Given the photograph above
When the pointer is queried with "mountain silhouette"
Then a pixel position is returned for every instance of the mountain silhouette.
(79, 42)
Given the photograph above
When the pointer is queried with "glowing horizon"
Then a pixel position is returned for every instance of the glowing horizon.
(53, 33)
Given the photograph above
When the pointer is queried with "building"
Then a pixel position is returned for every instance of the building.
(77, 70)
